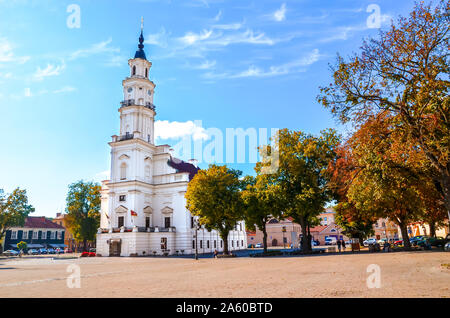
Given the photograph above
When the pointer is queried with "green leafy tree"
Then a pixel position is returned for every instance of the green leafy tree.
(14, 209)
(403, 76)
(83, 211)
(301, 176)
(262, 202)
(22, 246)
(214, 195)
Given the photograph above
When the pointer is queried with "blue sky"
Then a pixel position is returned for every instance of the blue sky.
(249, 64)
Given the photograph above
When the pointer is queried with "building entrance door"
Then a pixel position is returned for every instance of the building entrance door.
(115, 247)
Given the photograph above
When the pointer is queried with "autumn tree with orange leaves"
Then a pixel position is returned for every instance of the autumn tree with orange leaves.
(403, 78)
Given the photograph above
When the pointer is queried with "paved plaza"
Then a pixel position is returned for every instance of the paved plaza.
(402, 274)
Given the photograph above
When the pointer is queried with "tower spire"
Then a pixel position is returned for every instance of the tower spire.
(140, 52)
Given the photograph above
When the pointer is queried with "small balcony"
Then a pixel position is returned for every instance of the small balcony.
(127, 136)
(138, 229)
(128, 102)
(132, 102)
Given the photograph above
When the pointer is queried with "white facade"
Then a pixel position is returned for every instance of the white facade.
(143, 208)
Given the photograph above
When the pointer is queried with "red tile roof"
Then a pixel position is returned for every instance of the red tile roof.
(41, 222)
(318, 228)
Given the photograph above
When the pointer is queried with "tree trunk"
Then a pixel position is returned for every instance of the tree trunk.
(264, 230)
(305, 246)
(405, 237)
(224, 236)
(361, 240)
(309, 238)
(432, 229)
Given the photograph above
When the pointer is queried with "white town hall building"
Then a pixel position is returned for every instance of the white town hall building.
(143, 208)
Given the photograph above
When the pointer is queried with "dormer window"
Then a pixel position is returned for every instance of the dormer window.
(134, 70)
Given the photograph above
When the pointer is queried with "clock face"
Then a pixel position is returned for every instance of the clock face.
(149, 92)
(130, 89)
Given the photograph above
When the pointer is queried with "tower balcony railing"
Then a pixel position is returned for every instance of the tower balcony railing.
(132, 102)
(128, 102)
(127, 136)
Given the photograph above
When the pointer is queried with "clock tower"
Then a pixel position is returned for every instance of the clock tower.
(137, 111)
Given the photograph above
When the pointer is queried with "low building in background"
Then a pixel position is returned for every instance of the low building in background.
(422, 228)
(386, 229)
(277, 232)
(37, 232)
(289, 232)
(69, 240)
(321, 232)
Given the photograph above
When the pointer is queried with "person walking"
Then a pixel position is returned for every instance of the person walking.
(215, 253)
(339, 245)
(343, 245)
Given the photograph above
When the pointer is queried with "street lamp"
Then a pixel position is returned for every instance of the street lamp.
(196, 235)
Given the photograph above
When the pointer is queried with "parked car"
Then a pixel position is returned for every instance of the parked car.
(330, 241)
(382, 241)
(398, 242)
(369, 241)
(59, 250)
(43, 251)
(415, 239)
(251, 246)
(433, 241)
(259, 245)
(68, 250)
(51, 251)
(447, 247)
(11, 253)
(33, 251)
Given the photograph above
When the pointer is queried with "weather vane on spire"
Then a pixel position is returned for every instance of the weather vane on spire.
(142, 23)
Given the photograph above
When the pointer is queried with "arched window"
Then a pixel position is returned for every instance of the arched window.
(146, 72)
(123, 171)
(134, 70)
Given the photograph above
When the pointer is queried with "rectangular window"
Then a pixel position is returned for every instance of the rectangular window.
(221, 243)
(120, 221)
(242, 243)
(147, 221)
(192, 222)
(201, 244)
(215, 244)
(232, 243)
(25, 235)
(240, 226)
(52, 235)
(59, 235)
(167, 222)
(237, 243)
(13, 235)
(193, 243)
(35, 235)
(207, 244)
(122, 198)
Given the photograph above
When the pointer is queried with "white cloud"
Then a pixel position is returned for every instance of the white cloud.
(175, 130)
(160, 39)
(294, 66)
(27, 92)
(50, 70)
(280, 14)
(65, 89)
(218, 16)
(101, 176)
(97, 48)
(205, 65)
(191, 37)
(7, 54)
